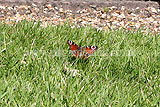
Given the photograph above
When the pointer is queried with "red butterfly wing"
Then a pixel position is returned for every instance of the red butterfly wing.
(74, 48)
(89, 50)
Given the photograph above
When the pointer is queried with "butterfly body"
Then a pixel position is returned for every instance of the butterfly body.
(81, 52)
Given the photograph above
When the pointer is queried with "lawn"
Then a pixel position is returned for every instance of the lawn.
(38, 69)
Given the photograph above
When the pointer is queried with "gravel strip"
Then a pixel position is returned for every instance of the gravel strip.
(112, 17)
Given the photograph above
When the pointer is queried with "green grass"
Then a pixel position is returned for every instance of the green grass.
(32, 73)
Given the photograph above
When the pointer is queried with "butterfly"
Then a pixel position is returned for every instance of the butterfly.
(81, 52)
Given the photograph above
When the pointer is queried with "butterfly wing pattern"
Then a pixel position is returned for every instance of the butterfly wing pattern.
(73, 47)
(81, 52)
(89, 50)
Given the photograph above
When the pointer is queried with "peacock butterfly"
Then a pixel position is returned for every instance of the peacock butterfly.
(81, 52)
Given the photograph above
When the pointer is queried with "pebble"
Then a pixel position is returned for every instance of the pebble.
(2, 7)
